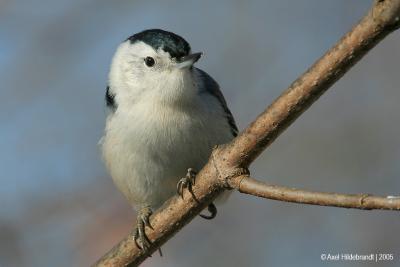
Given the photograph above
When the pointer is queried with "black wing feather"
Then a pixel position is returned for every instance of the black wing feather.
(110, 99)
(212, 87)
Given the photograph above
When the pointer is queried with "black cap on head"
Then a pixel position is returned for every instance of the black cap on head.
(175, 45)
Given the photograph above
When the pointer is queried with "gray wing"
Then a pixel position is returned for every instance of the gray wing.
(212, 87)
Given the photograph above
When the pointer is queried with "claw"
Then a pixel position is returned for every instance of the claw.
(146, 220)
(141, 240)
(140, 237)
(213, 212)
(186, 182)
(160, 252)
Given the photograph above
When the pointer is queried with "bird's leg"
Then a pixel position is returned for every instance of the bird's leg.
(142, 220)
(188, 182)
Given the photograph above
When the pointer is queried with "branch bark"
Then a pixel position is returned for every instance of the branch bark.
(228, 162)
(247, 185)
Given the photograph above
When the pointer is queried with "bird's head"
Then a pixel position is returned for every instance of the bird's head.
(153, 64)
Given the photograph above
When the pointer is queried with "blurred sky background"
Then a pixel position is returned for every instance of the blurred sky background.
(58, 204)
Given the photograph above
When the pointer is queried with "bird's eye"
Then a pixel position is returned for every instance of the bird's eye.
(149, 61)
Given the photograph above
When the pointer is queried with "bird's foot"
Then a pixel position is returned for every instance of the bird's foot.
(142, 220)
(186, 182)
(213, 212)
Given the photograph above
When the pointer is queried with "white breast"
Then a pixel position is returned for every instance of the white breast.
(149, 146)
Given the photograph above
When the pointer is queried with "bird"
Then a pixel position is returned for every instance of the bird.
(165, 116)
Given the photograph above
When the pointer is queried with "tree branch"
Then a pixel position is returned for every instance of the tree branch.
(230, 161)
(382, 19)
(248, 185)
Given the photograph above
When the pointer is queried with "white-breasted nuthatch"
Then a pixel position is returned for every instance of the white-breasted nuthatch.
(165, 117)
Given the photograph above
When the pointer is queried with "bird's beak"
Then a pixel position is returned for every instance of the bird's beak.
(188, 60)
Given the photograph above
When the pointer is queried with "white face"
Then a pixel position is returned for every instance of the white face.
(138, 73)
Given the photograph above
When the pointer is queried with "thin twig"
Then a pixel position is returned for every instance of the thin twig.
(248, 185)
